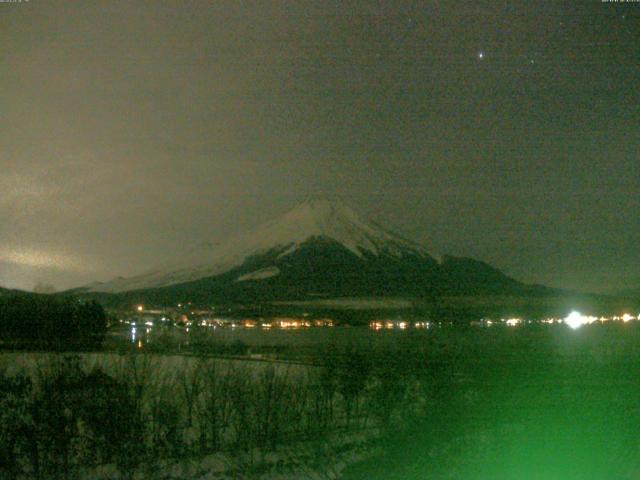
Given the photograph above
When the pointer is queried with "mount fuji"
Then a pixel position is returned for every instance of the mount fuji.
(320, 248)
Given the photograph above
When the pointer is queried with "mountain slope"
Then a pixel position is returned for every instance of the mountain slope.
(275, 240)
(318, 249)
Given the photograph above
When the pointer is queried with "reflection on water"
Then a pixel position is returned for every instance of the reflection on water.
(280, 332)
(272, 334)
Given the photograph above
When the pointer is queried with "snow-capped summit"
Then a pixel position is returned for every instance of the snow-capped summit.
(319, 219)
(333, 220)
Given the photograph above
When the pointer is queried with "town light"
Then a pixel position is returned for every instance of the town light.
(575, 320)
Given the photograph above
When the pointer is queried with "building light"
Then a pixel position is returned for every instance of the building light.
(576, 320)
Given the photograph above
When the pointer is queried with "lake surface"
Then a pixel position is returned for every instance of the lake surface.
(272, 337)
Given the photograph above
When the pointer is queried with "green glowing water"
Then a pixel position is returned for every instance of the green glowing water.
(560, 406)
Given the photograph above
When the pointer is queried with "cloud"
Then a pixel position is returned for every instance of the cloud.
(43, 259)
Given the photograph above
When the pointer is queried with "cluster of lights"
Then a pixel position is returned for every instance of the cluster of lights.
(282, 323)
(402, 325)
(510, 322)
(251, 323)
(324, 322)
(290, 323)
(551, 321)
(576, 319)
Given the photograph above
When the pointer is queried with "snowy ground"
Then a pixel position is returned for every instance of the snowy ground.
(325, 460)
(323, 457)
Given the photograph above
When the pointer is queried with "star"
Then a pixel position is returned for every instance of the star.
(480, 55)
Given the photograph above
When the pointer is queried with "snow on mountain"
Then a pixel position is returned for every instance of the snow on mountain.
(259, 274)
(312, 219)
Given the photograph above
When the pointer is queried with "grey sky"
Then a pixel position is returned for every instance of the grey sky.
(132, 130)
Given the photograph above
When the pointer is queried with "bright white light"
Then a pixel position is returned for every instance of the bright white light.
(575, 320)
(626, 318)
(480, 55)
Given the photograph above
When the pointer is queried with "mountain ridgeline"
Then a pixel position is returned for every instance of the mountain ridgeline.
(320, 249)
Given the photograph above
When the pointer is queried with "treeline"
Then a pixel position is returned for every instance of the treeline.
(50, 322)
(66, 419)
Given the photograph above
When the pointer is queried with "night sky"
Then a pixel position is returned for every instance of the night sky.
(505, 131)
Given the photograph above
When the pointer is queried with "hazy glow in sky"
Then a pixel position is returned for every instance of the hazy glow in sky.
(40, 258)
(502, 131)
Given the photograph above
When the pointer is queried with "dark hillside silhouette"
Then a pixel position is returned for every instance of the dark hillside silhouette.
(52, 322)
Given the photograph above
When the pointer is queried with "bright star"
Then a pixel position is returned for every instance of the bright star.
(480, 55)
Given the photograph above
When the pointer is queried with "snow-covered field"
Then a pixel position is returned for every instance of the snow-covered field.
(319, 460)
(195, 418)
(156, 367)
